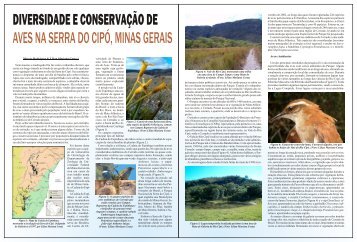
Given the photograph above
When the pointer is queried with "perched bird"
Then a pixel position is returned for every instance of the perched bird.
(106, 174)
(125, 173)
(311, 124)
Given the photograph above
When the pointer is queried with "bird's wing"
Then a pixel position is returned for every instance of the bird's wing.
(326, 133)
(122, 172)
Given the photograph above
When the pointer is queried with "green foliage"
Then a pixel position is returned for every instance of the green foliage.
(195, 193)
(233, 188)
(230, 198)
(332, 103)
(245, 29)
(254, 191)
(226, 181)
(225, 211)
(240, 195)
(215, 42)
(221, 58)
(211, 192)
(230, 188)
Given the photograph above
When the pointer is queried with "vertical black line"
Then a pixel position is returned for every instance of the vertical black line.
(64, 181)
(352, 119)
(178, 123)
(4, 121)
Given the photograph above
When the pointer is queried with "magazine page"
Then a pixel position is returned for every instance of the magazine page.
(91, 120)
(266, 132)
(178, 121)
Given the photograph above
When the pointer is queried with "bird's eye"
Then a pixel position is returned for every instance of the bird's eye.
(290, 108)
(126, 186)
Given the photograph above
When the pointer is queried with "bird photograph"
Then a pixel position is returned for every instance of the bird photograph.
(106, 173)
(106, 188)
(123, 173)
(127, 187)
(115, 179)
(110, 171)
(306, 117)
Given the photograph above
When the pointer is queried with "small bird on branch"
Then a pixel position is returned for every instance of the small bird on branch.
(125, 173)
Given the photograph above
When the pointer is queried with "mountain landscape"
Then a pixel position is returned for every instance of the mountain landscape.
(153, 72)
(246, 29)
(224, 46)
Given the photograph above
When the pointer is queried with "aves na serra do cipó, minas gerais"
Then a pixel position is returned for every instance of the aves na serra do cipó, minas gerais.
(312, 125)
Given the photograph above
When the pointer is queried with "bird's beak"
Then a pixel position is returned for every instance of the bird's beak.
(277, 117)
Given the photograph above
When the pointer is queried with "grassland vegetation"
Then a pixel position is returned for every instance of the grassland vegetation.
(225, 211)
(218, 53)
(231, 198)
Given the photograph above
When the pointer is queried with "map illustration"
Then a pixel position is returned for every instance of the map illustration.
(38, 182)
(54, 208)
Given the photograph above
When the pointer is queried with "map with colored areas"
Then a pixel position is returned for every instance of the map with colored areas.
(38, 172)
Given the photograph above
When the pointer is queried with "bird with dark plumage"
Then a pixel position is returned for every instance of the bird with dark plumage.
(312, 125)
(106, 174)
(125, 173)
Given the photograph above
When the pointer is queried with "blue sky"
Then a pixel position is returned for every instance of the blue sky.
(212, 15)
(120, 167)
(198, 172)
(134, 63)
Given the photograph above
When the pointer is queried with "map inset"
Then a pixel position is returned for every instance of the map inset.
(38, 173)
(54, 208)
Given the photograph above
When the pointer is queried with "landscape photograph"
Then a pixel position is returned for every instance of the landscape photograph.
(223, 193)
(148, 88)
(223, 42)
